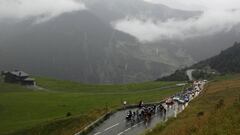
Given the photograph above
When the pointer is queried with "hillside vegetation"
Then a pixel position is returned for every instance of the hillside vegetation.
(214, 112)
(228, 61)
(65, 107)
(178, 75)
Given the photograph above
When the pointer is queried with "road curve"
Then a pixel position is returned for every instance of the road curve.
(117, 125)
(189, 74)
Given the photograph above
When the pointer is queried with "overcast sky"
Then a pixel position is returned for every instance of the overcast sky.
(218, 16)
(199, 4)
(28, 8)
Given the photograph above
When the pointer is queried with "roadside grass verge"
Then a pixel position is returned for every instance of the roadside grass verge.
(214, 112)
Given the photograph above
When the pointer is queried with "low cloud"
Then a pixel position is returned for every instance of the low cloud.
(20, 9)
(218, 16)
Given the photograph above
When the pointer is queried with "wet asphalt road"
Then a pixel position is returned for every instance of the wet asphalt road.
(117, 125)
(189, 74)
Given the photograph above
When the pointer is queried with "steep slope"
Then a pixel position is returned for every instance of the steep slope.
(77, 46)
(112, 11)
(228, 61)
(193, 49)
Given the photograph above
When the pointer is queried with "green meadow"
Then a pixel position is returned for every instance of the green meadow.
(65, 107)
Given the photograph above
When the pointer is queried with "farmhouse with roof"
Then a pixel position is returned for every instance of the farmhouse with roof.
(19, 77)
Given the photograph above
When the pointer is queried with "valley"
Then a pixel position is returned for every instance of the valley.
(66, 107)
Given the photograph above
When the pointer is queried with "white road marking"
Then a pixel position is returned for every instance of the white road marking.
(172, 108)
(127, 129)
(97, 133)
(111, 127)
(120, 133)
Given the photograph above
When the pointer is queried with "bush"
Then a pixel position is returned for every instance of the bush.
(200, 114)
(68, 114)
(220, 104)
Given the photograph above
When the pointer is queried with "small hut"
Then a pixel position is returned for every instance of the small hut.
(19, 77)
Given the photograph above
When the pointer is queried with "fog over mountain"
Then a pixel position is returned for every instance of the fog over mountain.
(111, 41)
(46, 9)
(217, 16)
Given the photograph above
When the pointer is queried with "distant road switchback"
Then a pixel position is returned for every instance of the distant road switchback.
(189, 74)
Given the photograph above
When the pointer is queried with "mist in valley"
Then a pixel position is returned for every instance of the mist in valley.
(113, 41)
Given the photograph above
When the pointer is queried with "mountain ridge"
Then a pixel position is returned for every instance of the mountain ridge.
(227, 61)
(78, 46)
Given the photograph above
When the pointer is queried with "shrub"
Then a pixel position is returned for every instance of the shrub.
(220, 104)
(200, 114)
(68, 114)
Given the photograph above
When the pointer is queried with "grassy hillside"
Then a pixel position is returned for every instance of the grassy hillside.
(26, 111)
(226, 62)
(178, 75)
(215, 112)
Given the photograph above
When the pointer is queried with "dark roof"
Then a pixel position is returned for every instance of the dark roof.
(29, 79)
(4, 72)
(19, 73)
